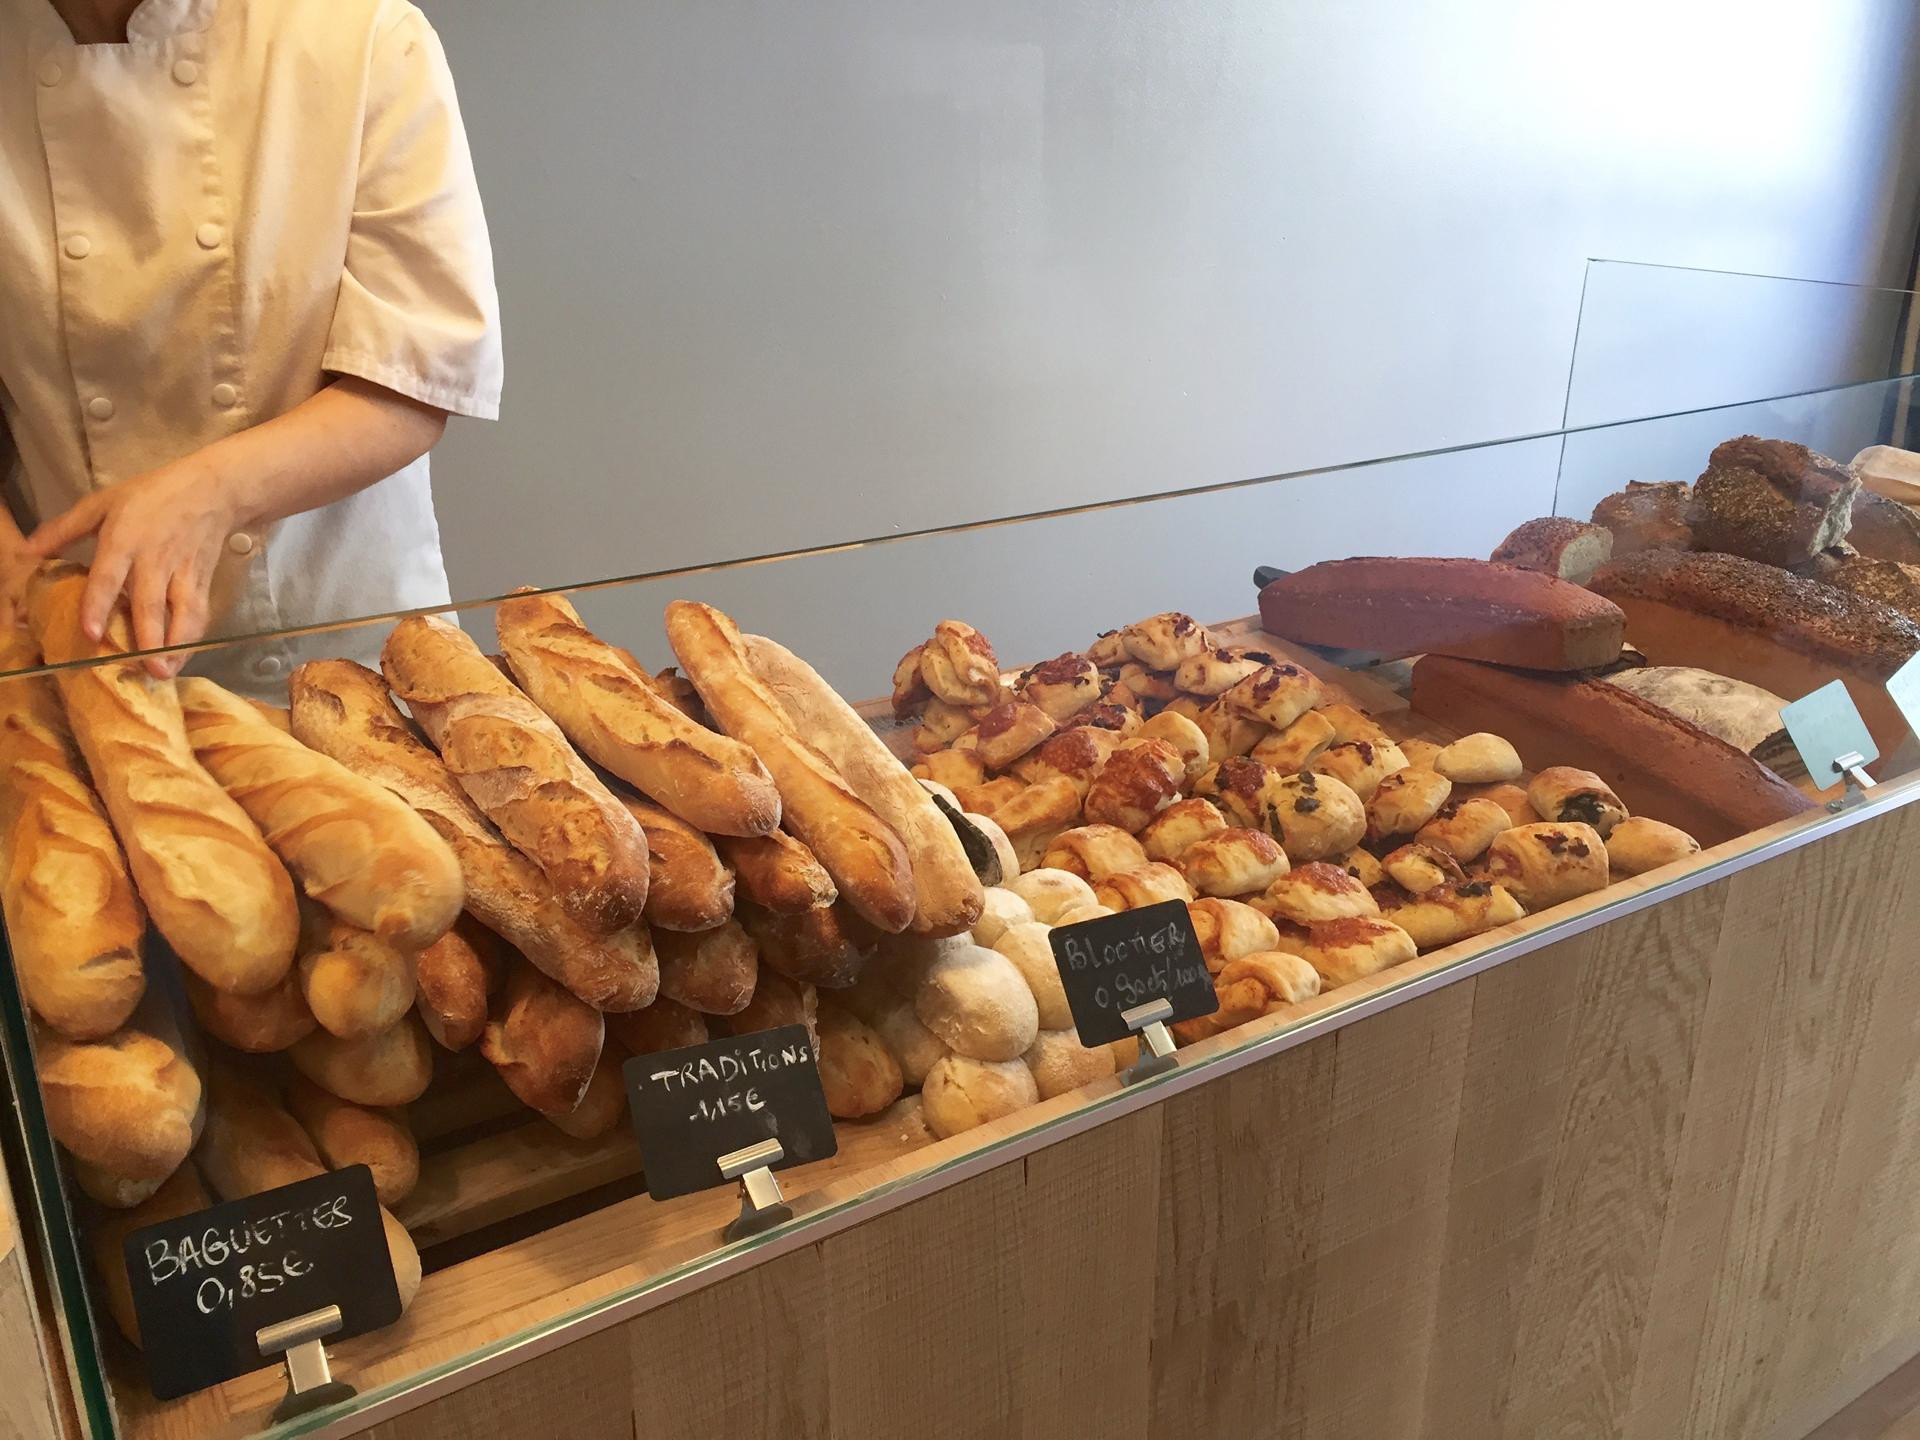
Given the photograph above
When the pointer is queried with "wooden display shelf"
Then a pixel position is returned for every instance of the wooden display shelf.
(488, 1165)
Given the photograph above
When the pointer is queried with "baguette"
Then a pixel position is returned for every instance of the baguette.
(822, 947)
(73, 918)
(353, 846)
(517, 766)
(255, 1024)
(603, 1104)
(688, 888)
(664, 1025)
(347, 1134)
(609, 707)
(778, 1001)
(1469, 608)
(777, 873)
(864, 855)
(948, 896)
(543, 1041)
(126, 1105)
(209, 882)
(1657, 763)
(251, 1144)
(343, 709)
(454, 978)
(182, 1194)
(713, 972)
(388, 1067)
(354, 982)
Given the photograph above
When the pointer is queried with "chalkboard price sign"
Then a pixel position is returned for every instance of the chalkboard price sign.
(206, 1284)
(1118, 962)
(693, 1105)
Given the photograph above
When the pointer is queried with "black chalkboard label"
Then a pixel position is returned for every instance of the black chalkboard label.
(694, 1105)
(1121, 961)
(205, 1285)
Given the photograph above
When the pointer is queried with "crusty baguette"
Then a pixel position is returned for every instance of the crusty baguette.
(73, 918)
(182, 1194)
(664, 1025)
(454, 978)
(343, 709)
(212, 887)
(866, 857)
(256, 1024)
(777, 873)
(826, 946)
(519, 768)
(126, 1105)
(610, 708)
(1657, 763)
(347, 1134)
(354, 982)
(948, 896)
(388, 1067)
(543, 1041)
(714, 971)
(688, 887)
(1470, 608)
(354, 846)
(603, 1104)
(251, 1144)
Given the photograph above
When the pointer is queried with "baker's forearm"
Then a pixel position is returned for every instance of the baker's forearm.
(331, 445)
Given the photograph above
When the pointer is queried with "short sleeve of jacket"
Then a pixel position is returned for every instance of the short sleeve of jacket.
(417, 310)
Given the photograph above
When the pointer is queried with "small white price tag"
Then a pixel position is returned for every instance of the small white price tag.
(1904, 686)
(1826, 727)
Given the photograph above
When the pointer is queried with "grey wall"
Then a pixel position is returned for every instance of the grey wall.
(779, 274)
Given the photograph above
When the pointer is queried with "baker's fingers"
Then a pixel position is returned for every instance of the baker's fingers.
(75, 523)
(186, 616)
(111, 562)
(147, 605)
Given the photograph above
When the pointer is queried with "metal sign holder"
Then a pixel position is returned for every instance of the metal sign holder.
(1149, 1022)
(761, 1204)
(1852, 768)
(310, 1382)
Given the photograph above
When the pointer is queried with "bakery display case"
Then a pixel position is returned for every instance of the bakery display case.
(1531, 982)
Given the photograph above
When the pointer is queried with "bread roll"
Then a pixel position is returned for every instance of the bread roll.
(1347, 950)
(977, 1002)
(858, 1073)
(777, 873)
(961, 1093)
(603, 1105)
(910, 692)
(663, 1025)
(354, 847)
(1512, 800)
(209, 882)
(388, 1067)
(1080, 914)
(826, 946)
(1059, 1063)
(956, 769)
(127, 1104)
(1229, 732)
(609, 708)
(544, 1041)
(1228, 929)
(1003, 911)
(1364, 866)
(1276, 696)
(1062, 686)
(180, 1195)
(343, 709)
(1179, 825)
(1050, 892)
(1161, 642)
(1075, 755)
(1421, 754)
(73, 919)
(1005, 733)
(354, 983)
(1404, 801)
(1545, 864)
(778, 1001)
(940, 725)
(1418, 868)
(959, 666)
(255, 1024)
(517, 766)
(946, 892)
(1637, 845)
(863, 853)
(1563, 792)
(347, 1135)
(1313, 815)
(1249, 987)
(714, 971)
(1093, 852)
(1030, 948)
(1455, 911)
(1184, 735)
(1233, 863)
(1003, 851)
(1296, 748)
(453, 980)
(1479, 759)
(1213, 672)
(1138, 781)
(1361, 765)
(688, 888)
(1464, 828)
(1315, 892)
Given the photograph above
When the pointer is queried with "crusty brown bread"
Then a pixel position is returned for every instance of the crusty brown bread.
(212, 887)
(74, 921)
(355, 847)
(603, 1104)
(255, 1024)
(777, 873)
(664, 1025)
(1648, 515)
(388, 1067)
(612, 710)
(517, 766)
(1470, 608)
(1772, 501)
(1885, 529)
(688, 886)
(1557, 545)
(864, 854)
(343, 709)
(714, 971)
(543, 1041)
(181, 1194)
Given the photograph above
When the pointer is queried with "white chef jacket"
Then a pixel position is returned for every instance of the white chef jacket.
(197, 228)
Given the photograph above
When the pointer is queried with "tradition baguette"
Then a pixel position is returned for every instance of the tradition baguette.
(713, 972)
(826, 947)
(777, 873)
(609, 707)
(864, 855)
(519, 768)
(664, 1025)
(74, 921)
(354, 847)
(454, 978)
(211, 886)
(603, 1104)
(543, 1041)
(1470, 608)
(948, 896)
(1654, 761)
(343, 709)
(347, 1134)
(688, 887)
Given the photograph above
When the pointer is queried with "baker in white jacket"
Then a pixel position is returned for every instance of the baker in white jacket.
(244, 279)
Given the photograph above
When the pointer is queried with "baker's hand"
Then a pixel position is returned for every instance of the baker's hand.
(159, 536)
(17, 563)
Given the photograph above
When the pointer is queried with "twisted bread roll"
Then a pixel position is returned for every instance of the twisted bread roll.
(355, 848)
(607, 706)
(517, 766)
(343, 709)
(211, 885)
(73, 918)
(859, 849)
(543, 1041)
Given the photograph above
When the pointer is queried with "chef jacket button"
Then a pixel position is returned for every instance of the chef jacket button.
(224, 395)
(50, 72)
(78, 247)
(268, 666)
(185, 72)
(100, 408)
(240, 543)
(209, 235)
